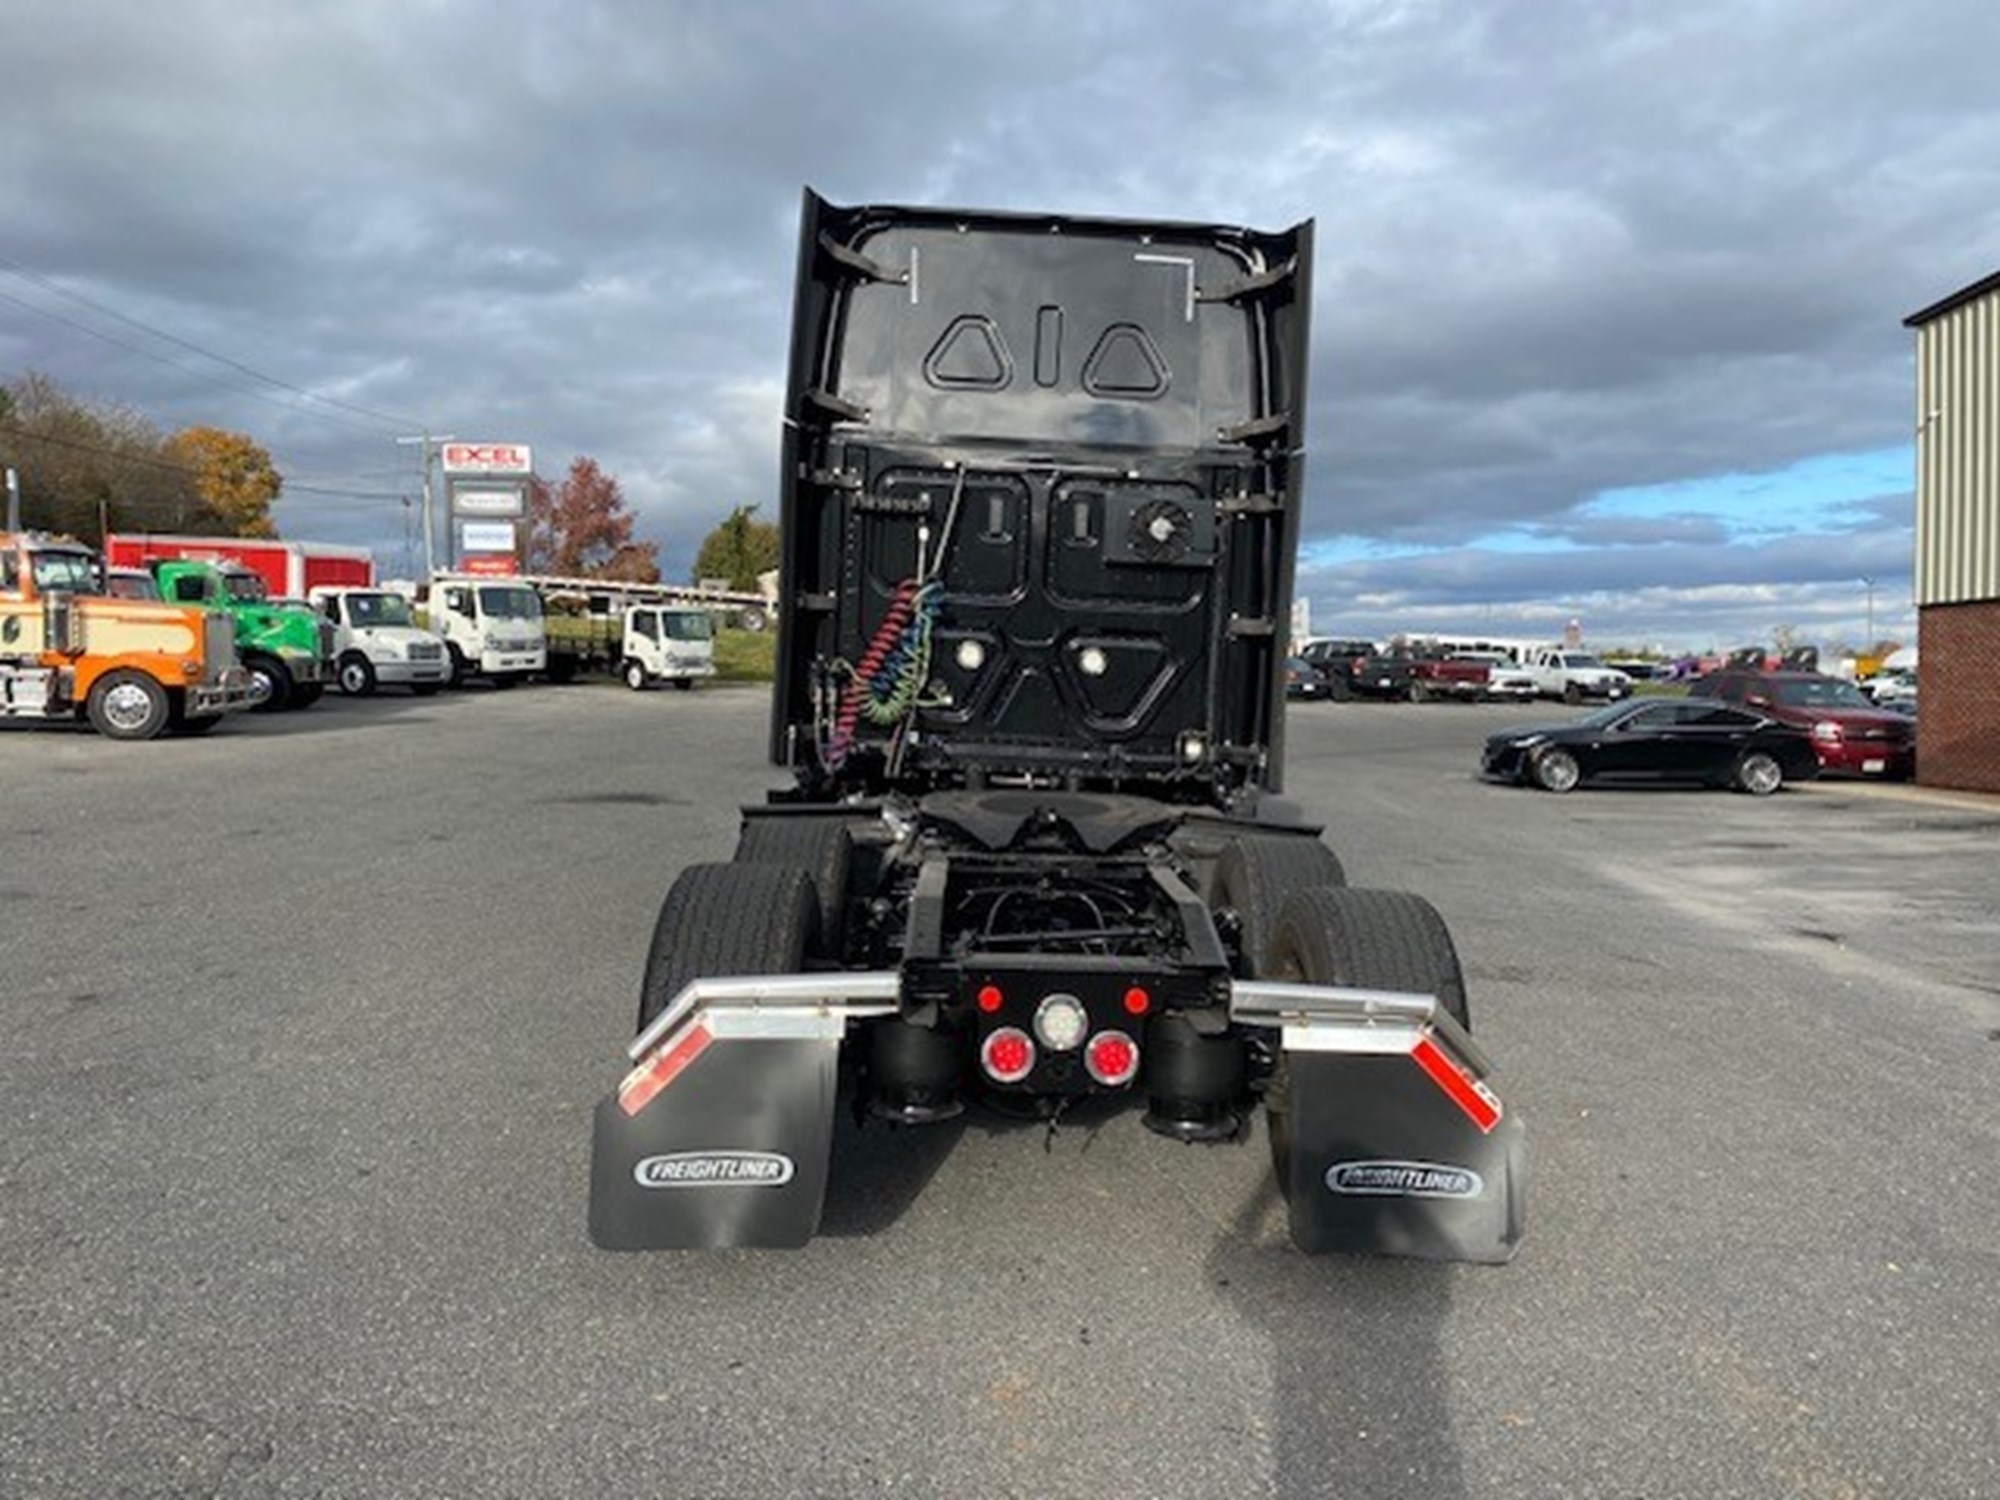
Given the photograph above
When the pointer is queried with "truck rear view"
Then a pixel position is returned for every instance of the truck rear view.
(1042, 486)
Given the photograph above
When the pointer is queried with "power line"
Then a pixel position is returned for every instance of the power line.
(16, 268)
(174, 468)
(153, 354)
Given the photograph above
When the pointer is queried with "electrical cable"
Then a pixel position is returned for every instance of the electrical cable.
(161, 463)
(15, 268)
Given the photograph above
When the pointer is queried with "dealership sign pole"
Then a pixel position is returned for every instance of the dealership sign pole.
(487, 486)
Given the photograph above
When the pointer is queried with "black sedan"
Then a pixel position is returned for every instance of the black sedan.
(1656, 740)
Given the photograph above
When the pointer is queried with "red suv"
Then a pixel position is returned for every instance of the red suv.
(1851, 734)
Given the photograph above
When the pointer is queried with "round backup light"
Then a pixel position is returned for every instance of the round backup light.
(971, 656)
(1112, 1058)
(1137, 1001)
(1007, 1055)
(1092, 661)
(990, 998)
(1061, 1022)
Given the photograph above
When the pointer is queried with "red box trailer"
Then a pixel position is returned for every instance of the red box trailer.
(288, 569)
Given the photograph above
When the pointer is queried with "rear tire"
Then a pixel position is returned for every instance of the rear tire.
(1378, 940)
(127, 705)
(819, 846)
(305, 694)
(1557, 771)
(1572, 694)
(1255, 874)
(727, 919)
(426, 689)
(1758, 773)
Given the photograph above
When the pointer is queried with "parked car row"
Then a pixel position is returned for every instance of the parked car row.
(177, 642)
(1748, 729)
(1340, 670)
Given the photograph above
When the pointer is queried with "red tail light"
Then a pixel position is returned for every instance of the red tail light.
(990, 998)
(1112, 1058)
(1007, 1055)
(1137, 1001)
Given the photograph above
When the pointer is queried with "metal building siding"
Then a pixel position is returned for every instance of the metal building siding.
(1958, 454)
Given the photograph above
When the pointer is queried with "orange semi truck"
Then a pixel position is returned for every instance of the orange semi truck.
(132, 667)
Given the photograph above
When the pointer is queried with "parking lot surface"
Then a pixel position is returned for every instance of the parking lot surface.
(305, 1022)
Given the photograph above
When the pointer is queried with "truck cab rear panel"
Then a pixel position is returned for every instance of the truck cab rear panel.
(1079, 440)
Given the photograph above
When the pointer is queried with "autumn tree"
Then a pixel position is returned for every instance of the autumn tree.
(580, 528)
(83, 461)
(738, 549)
(234, 477)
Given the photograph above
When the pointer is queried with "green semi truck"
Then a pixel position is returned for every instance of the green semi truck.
(286, 648)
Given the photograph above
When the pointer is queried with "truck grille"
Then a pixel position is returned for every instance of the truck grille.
(425, 651)
(218, 644)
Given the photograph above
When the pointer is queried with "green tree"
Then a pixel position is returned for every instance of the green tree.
(738, 549)
(581, 529)
(234, 477)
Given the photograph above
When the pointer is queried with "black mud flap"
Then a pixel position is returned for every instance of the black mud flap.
(715, 1141)
(1386, 1138)
(719, 1135)
(1400, 1153)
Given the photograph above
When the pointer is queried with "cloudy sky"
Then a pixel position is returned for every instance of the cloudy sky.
(1609, 294)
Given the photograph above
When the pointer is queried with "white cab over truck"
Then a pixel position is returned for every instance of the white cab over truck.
(378, 643)
(492, 627)
(1574, 676)
(667, 643)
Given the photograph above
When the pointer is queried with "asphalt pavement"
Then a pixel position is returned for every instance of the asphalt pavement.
(304, 1023)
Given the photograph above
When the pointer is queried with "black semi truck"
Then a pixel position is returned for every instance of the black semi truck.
(1042, 482)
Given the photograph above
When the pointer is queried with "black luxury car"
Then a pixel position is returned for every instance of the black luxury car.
(1655, 740)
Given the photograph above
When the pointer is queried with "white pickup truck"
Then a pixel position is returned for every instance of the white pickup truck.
(1574, 676)
(377, 643)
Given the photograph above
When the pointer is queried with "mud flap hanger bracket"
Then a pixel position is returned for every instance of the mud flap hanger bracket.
(1338, 1019)
(800, 1006)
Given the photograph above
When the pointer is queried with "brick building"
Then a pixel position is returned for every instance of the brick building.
(1958, 538)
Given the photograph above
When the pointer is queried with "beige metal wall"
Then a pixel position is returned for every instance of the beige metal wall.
(1958, 454)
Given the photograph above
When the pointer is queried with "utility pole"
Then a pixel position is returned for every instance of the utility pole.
(429, 442)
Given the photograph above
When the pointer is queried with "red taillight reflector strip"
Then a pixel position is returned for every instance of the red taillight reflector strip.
(662, 1068)
(1480, 1104)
